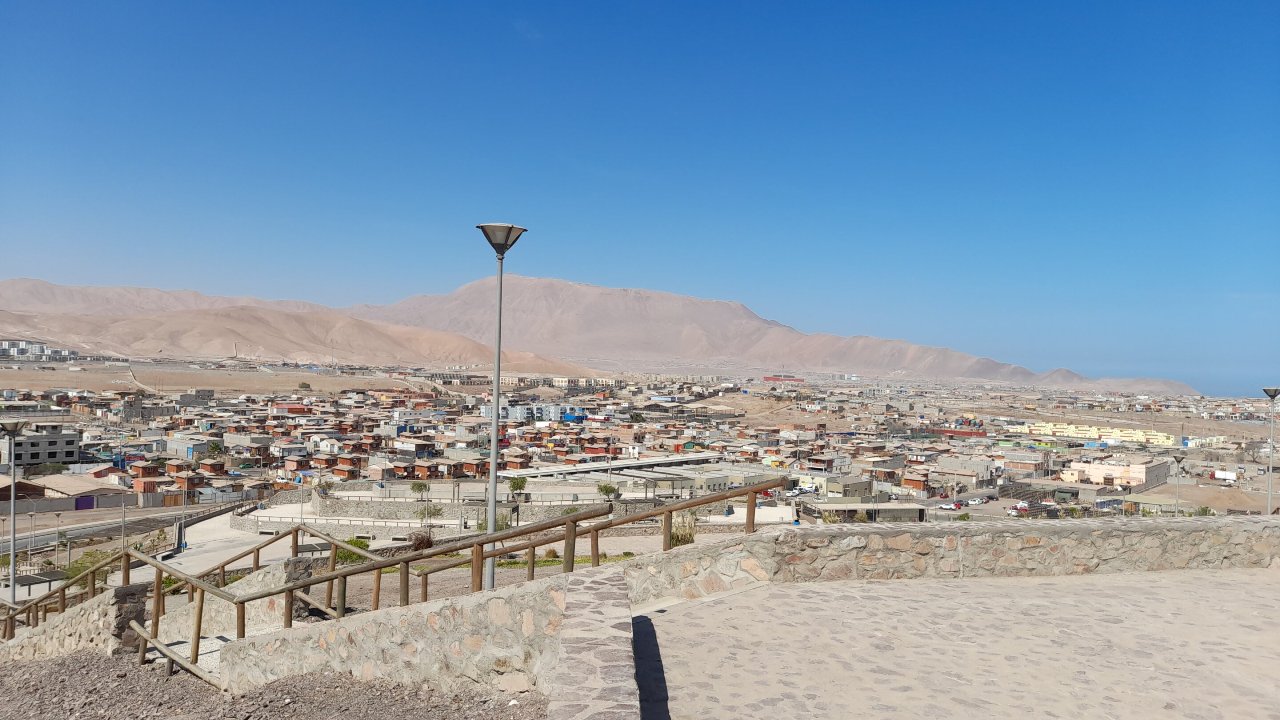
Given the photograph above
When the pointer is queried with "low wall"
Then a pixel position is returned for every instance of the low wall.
(956, 550)
(341, 530)
(407, 510)
(219, 616)
(101, 624)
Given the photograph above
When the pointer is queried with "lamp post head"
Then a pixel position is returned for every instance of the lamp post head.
(1272, 392)
(501, 236)
(12, 427)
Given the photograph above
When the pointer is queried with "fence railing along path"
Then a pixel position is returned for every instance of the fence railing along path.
(473, 551)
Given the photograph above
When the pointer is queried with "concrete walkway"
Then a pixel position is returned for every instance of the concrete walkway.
(1201, 644)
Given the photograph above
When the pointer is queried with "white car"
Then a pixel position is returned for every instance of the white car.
(976, 501)
(947, 506)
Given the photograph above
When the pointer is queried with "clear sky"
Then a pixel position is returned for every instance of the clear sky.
(1093, 185)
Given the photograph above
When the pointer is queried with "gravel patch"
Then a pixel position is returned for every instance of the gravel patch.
(93, 686)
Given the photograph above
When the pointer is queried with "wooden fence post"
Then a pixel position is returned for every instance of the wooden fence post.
(570, 545)
(424, 586)
(340, 609)
(288, 608)
(196, 625)
(477, 567)
(666, 531)
(377, 589)
(531, 556)
(751, 512)
(404, 584)
(239, 621)
(157, 602)
(595, 548)
(333, 565)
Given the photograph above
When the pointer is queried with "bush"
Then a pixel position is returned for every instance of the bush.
(421, 540)
(683, 528)
(347, 557)
(964, 516)
(87, 560)
(628, 554)
(504, 522)
(570, 510)
(551, 554)
(607, 490)
(304, 386)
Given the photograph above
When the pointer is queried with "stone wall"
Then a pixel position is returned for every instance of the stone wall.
(333, 506)
(508, 639)
(219, 616)
(101, 624)
(958, 550)
(340, 530)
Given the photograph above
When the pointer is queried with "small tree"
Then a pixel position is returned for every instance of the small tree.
(607, 490)
(504, 522)
(420, 488)
(429, 511)
(516, 485)
(304, 386)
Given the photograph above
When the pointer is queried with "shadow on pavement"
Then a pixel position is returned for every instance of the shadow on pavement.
(651, 678)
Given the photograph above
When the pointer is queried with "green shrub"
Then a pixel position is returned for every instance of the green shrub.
(347, 557)
(683, 528)
(551, 554)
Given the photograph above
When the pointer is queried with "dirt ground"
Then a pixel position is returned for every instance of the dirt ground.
(178, 378)
(87, 685)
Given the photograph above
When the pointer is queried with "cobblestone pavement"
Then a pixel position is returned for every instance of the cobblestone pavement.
(1201, 644)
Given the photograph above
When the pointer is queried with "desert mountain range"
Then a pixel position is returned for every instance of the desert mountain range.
(587, 325)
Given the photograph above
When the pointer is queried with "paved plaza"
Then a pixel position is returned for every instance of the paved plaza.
(1201, 644)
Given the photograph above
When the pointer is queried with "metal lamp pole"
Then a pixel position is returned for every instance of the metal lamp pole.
(31, 537)
(1178, 458)
(12, 428)
(1271, 448)
(501, 237)
(57, 539)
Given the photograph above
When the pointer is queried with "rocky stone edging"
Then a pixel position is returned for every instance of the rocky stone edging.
(1012, 548)
(100, 623)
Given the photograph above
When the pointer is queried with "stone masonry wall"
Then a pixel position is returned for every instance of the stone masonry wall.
(101, 624)
(336, 506)
(508, 639)
(970, 549)
(219, 616)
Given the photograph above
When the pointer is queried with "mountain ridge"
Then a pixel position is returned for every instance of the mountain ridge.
(623, 327)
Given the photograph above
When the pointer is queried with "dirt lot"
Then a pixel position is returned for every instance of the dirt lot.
(94, 686)
(179, 378)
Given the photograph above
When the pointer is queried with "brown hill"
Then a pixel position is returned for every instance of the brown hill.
(630, 328)
(267, 334)
(39, 296)
(591, 325)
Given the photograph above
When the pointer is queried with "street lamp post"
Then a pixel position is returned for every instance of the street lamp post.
(57, 539)
(1178, 458)
(1271, 392)
(501, 237)
(31, 538)
(11, 429)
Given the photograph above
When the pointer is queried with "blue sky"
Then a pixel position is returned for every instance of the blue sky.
(1088, 185)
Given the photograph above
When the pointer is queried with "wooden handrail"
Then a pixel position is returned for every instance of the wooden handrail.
(428, 553)
(145, 638)
(208, 588)
(274, 538)
(345, 546)
(66, 584)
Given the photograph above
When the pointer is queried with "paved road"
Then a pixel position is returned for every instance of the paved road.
(138, 522)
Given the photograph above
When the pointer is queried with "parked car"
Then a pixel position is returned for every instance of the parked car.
(947, 506)
(976, 501)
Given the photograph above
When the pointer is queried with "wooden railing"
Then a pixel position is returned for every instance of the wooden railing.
(213, 581)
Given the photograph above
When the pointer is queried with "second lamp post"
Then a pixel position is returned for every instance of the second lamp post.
(502, 237)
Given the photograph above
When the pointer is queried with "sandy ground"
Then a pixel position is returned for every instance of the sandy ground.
(179, 378)
(1189, 644)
